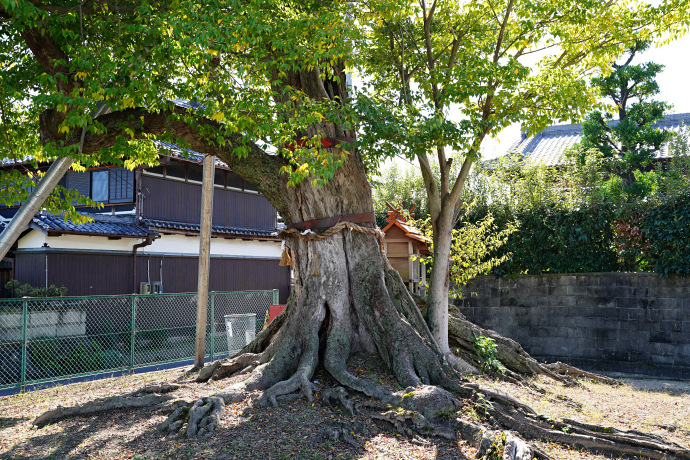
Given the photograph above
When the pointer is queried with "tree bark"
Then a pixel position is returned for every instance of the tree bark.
(439, 284)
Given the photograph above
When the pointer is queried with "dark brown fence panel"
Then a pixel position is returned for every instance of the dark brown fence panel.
(86, 273)
(91, 273)
(30, 268)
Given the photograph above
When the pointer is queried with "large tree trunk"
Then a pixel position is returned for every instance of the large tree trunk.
(344, 300)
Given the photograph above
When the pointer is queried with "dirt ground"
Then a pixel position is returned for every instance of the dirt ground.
(306, 431)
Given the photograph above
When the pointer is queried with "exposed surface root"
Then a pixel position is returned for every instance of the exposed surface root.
(338, 395)
(518, 363)
(565, 369)
(409, 423)
(464, 333)
(327, 323)
(298, 382)
(229, 366)
(438, 405)
(501, 409)
(204, 416)
(596, 437)
(201, 417)
(99, 405)
(161, 388)
(492, 444)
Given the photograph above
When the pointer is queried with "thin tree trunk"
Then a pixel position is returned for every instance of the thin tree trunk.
(439, 282)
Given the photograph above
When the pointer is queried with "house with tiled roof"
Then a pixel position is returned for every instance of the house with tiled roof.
(147, 233)
(549, 146)
(405, 247)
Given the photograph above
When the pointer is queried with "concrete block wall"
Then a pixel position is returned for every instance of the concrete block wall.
(42, 323)
(622, 322)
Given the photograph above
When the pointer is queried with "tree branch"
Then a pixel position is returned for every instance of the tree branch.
(501, 34)
(431, 187)
(85, 9)
(258, 167)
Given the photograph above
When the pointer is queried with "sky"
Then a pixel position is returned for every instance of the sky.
(674, 85)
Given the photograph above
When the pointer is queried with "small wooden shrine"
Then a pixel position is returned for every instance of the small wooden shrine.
(401, 242)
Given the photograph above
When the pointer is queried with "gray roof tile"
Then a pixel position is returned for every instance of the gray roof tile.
(162, 225)
(105, 225)
(126, 226)
(548, 147)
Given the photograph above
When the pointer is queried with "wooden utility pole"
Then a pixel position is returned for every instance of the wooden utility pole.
(204, 258)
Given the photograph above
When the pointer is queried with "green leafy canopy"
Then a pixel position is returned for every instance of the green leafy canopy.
(63, 60)
(235, 60)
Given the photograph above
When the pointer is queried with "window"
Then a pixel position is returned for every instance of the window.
(121, 184)
(110, 185)
(160, 169)
(176, 170)
(99, 185)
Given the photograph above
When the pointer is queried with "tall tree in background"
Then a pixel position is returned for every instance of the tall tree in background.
(632, 140)
(445, 74)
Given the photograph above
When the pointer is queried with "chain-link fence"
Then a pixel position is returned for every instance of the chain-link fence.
(43, 339)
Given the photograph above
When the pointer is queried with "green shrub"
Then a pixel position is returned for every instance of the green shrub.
(485, 348)
(561, 241)
(55, 356)
(153, 337)
(668, 228)
(26, 290)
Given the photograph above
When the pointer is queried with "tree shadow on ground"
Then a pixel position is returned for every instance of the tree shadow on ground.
(77, 437)
(293, 430)
(671, 387)
(296, 429)
(7, 422)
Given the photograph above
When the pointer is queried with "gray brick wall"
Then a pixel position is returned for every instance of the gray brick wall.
(625, 322)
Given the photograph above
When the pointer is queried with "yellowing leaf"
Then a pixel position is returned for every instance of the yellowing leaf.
(218, 116)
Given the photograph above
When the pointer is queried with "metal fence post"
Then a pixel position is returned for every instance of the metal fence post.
(133, 332)
(213, 326)
(22, 376)
(276, 297)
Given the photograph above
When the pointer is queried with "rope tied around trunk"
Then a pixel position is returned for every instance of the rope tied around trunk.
(340, 226)
(309, 235)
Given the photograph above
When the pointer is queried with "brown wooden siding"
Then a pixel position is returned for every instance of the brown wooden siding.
(226, 274)
(181, 202)
(30, 268)
(88, 273)
(111, 274)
